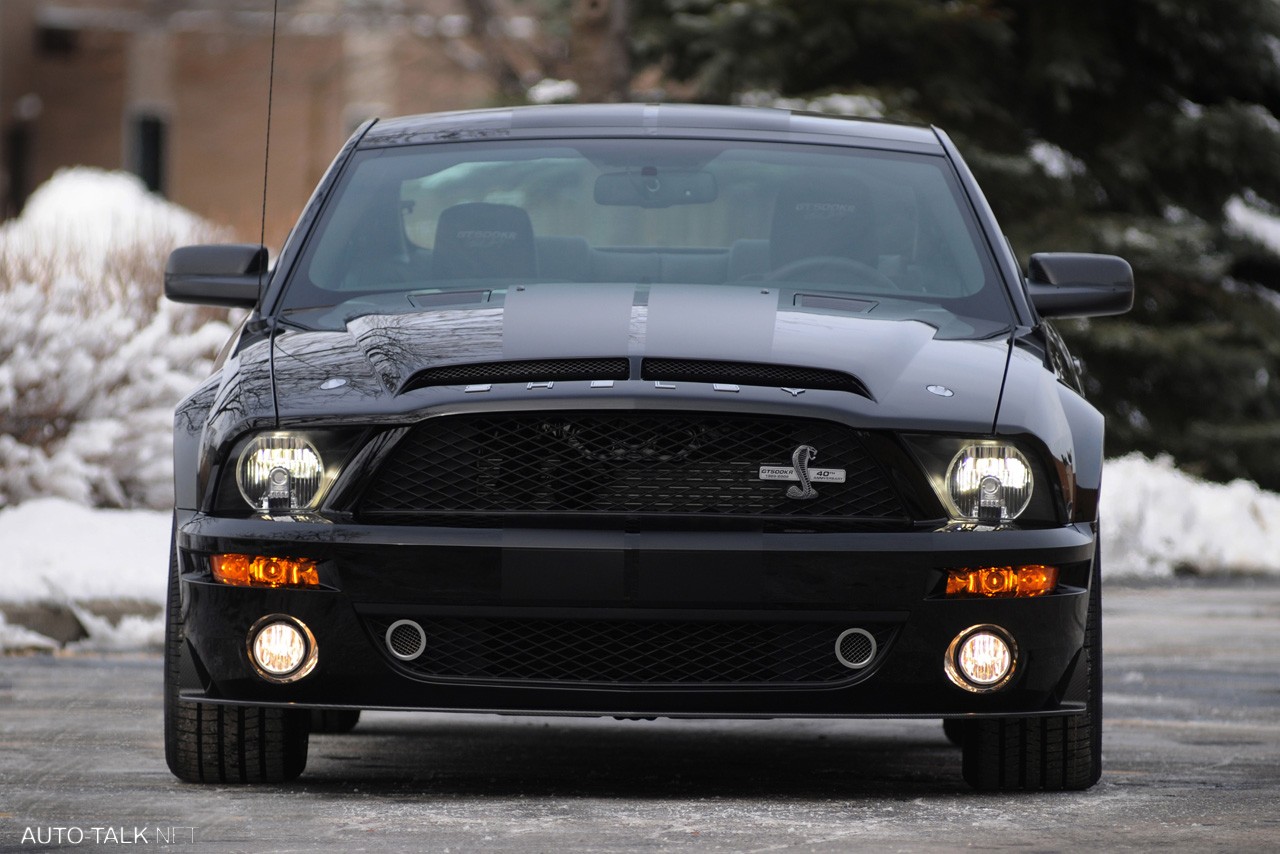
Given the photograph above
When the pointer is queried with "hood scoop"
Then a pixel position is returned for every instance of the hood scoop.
(751, 374)
(522, 371)
(653, 369)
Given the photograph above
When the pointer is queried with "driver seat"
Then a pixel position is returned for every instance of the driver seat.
(480, 240)
(828, 218)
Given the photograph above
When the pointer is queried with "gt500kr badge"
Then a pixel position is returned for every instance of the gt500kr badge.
(799, 471)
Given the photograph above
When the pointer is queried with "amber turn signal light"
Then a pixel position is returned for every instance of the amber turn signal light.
(263, 571)
(1002, 582)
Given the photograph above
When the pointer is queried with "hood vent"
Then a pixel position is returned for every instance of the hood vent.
(751, 373)
(619, 368)
(529, 370)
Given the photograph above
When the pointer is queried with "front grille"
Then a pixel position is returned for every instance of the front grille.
(639, 652)
(530, 370)
(622, 464)
(750, 373)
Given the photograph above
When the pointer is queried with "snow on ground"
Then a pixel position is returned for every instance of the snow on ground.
(131, 632)
(18, 638)
(1158, 521)
(55, 549)
(60, 552)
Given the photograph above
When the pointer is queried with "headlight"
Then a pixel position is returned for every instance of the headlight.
(280, 473)
(989, 483)
(283, 474)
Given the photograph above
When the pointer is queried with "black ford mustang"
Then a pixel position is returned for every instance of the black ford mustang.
(641, 411)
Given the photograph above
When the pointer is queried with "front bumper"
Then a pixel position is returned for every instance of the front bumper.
(723, 585)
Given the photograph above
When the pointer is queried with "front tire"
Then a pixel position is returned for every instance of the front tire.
(1053, 753)
(207, 743)
(334, 721)
(954, 729)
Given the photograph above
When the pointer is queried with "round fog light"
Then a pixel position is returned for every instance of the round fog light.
(282, 648)
(981, 659)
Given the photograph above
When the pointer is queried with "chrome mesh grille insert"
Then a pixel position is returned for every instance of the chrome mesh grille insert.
(405, 639)
(640, 652)
(855, 648)
(630, 463)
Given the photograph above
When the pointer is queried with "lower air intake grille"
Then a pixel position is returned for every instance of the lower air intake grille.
(633, 652)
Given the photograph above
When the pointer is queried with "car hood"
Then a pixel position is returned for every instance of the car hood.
(911, 371)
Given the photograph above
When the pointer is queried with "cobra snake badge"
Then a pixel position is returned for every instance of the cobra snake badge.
(800, 459)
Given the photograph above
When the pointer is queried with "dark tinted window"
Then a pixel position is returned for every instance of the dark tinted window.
(890, 227)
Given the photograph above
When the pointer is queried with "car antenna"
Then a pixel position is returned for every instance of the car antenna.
(266, 157)
(262, 234)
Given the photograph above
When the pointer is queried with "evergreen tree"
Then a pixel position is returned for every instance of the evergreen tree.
(1122, 126)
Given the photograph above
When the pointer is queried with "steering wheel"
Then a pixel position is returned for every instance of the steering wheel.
(836, 267)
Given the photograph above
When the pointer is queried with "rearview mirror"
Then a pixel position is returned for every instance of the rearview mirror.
(224, 275)
(653, 188)
(1073, 284)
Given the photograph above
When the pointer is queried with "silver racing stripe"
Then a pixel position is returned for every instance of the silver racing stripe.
(711, 322)
(567, 321)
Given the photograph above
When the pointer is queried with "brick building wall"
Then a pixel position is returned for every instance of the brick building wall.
(176, 91)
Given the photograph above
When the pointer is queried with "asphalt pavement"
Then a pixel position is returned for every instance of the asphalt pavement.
(1191, 753)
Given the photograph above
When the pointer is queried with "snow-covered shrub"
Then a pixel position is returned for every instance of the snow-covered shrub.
(92, 358)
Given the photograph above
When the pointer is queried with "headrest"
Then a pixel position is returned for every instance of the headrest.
(479, 240)
(814, 218)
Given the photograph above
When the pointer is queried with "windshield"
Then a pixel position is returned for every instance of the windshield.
(833, 228)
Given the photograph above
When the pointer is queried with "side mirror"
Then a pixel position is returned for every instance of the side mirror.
(1071, 284)
(223, 275)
